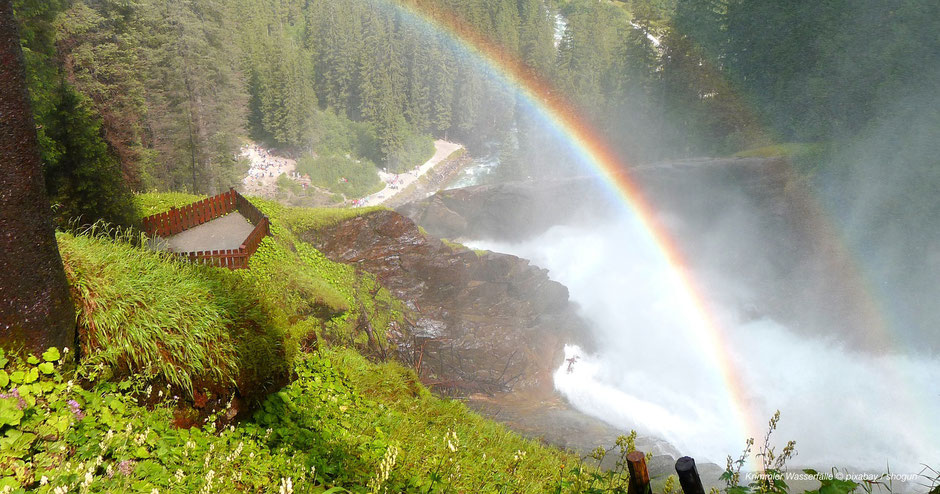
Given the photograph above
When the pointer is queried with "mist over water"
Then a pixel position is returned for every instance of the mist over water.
(652, 368)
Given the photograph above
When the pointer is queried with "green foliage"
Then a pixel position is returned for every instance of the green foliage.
(142, 313)
(351, 177)
(287, 186)
(302, 220)
(56, 436)
(830, 484)
(84, 178)
(415, 150)
(155, 203)
(342, 421)
(772, 466)
(81, 173)
(335, 134)
(177, 87)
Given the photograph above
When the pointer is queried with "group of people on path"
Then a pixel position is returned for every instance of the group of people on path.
(264, 169)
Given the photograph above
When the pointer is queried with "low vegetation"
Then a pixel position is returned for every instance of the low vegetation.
(342, 421)
(414, 150)
(352, 177)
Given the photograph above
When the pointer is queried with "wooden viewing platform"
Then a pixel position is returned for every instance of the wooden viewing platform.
(178, 220)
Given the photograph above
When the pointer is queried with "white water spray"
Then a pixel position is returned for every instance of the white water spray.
(844, 409)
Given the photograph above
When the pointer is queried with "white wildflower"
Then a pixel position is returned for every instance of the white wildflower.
(89, 478)
(238, 451)
(385, 469)
(209, 476)
(452, 441)
(287, 487)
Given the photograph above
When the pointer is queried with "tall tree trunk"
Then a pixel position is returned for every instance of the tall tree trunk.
(36, 311)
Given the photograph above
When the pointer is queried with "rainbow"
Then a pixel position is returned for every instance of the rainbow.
(560, 116)
(565, 121)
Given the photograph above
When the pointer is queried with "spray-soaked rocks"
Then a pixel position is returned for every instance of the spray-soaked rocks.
(481, 321)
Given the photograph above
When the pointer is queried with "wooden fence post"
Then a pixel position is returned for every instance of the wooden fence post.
(688, 476)
(639, 475)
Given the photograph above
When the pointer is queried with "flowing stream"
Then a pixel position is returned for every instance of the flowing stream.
(656, 367)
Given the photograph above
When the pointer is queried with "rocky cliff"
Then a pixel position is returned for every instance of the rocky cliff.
(481, 322)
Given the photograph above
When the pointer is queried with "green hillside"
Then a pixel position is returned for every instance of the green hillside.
(197, 379)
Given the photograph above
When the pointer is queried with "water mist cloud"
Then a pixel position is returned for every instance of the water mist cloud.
(844, 408)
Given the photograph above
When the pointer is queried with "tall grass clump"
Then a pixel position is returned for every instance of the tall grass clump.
(140, 312)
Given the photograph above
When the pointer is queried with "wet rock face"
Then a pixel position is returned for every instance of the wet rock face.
(482, 322)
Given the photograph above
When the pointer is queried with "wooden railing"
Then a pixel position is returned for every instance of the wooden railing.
(177, 220)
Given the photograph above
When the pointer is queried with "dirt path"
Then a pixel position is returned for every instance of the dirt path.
(266, 167)
(396, 183)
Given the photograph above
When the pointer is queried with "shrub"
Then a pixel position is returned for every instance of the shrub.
(416, 149)
(349, 176)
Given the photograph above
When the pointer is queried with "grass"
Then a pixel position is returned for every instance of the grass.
(306, 219)
(419, 419)
(456, 154)
(459, 247)
(142, 313)
(441, 445)
(302, 293)
(158, 202)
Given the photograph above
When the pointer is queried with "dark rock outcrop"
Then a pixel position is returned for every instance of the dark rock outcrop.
(483, 322)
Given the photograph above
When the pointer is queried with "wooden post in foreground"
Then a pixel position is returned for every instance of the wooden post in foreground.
(688, 476)
(639, 475)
